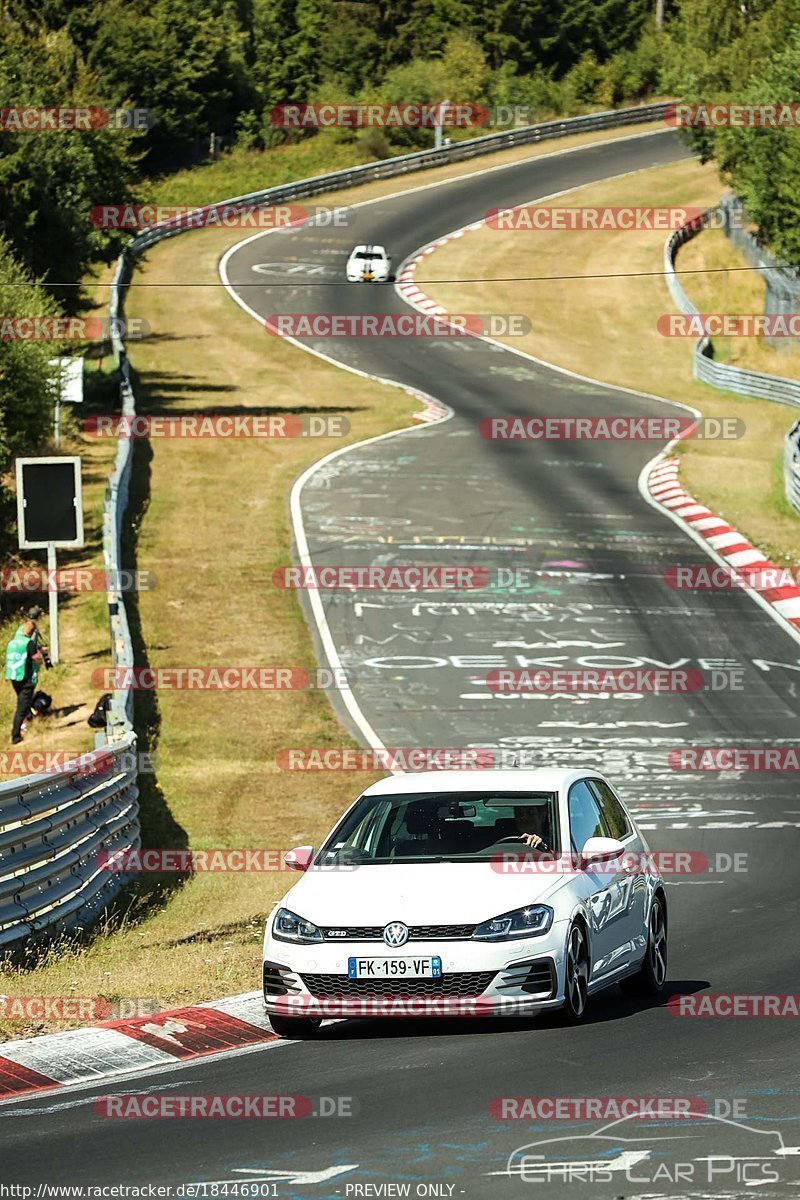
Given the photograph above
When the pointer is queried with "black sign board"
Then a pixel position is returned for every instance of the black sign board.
(49, 502)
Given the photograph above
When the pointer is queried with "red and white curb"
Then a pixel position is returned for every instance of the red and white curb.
(432, 410)
(118, 1047)
(727, 543)
(405, 284)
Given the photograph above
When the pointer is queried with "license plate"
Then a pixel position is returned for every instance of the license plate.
(394, 968)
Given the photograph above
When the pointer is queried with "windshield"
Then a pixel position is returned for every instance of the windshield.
(368, 254)
(436, 827)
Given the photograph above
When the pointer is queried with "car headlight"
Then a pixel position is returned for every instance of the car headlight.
(288, 927)
(522, 922)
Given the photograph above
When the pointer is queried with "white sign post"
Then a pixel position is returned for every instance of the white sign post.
(50, 515)
(68, 389)
(438, 122)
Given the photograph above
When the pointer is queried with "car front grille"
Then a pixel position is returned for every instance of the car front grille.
(416, 933)
(458, 983)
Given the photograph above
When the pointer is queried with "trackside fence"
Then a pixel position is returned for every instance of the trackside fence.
(737, 379)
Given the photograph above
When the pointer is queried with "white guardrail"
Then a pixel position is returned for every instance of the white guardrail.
(54, 826)
(735, 379)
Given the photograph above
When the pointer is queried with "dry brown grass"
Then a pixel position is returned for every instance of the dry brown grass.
(721, 287)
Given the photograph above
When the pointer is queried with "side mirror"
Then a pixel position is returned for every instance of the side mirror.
(600, 850)
(299, 859)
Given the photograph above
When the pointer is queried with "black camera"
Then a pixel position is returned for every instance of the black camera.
(46, 659)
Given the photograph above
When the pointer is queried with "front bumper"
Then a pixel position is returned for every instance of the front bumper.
(478, 979)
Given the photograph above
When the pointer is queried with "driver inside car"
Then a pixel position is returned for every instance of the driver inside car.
(531, 821)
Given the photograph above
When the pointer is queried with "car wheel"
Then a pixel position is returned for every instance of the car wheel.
(649, 980)
(576, 981)
(294, 1027)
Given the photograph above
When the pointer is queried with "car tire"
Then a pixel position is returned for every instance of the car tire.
(294, 1027)
(576, 975)
(651, 977)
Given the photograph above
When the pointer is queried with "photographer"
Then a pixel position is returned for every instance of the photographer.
(24, 655)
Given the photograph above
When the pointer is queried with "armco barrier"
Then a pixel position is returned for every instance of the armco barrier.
(725, 377)
(791, 465)
(387, 168)
(120, 718)
(53, 826)
(782, 281)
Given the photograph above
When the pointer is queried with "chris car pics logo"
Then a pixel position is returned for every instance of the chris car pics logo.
(717, 1154)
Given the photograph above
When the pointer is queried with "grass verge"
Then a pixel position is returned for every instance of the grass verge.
(240, 172)
(82, 625)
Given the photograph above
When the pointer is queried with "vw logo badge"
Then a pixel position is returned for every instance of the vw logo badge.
(395, 934)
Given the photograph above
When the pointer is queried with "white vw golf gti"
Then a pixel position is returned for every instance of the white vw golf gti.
(496, 893)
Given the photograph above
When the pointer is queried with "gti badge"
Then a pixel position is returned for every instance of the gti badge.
(395, 934)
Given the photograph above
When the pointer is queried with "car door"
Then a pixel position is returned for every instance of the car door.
(619, 826)
(605, 888)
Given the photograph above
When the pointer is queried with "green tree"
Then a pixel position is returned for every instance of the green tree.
(763, 164)
(185, 61)
(26, 401)
(50, 180)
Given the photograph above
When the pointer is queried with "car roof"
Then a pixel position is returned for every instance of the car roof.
(545, 779)
(367, 246)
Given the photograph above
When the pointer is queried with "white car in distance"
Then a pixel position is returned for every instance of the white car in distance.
(504, 892)
(369, 264)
